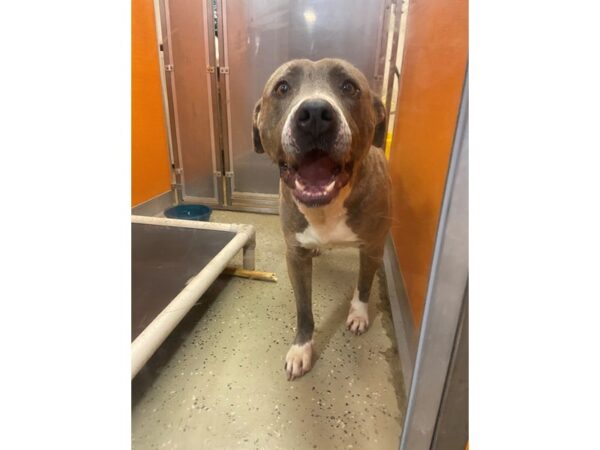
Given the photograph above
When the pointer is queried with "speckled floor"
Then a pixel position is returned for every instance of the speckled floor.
(218, 381)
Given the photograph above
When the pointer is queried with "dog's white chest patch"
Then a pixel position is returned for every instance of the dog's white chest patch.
(327, 226)
(331, 233)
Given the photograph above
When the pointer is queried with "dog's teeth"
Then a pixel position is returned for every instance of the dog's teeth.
(299, 185)
(329, 187)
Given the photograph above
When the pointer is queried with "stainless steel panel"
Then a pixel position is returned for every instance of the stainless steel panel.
(404, 326)
(444, 299)
(452, 428)
(259, 35)
(189, 51)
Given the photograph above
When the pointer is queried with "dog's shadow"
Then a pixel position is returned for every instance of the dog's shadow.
(328, 324)
(328, 327)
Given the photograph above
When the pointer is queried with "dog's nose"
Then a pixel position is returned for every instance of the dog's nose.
(315, 117)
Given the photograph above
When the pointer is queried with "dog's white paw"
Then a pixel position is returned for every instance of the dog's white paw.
(298, 360)
(358, 317)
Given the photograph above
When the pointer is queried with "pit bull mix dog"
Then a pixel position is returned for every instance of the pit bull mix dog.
(322, 125)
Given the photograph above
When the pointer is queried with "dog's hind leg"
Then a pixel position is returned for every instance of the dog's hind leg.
(358, 317)
(298, 360)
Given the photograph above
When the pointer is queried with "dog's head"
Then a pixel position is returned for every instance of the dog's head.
(317, 120)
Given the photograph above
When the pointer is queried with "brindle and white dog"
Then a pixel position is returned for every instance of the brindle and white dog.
(325, 128)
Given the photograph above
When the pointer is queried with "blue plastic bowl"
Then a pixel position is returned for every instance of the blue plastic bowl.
(189, 212)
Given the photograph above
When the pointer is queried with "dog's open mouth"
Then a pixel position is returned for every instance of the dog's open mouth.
(316, 178)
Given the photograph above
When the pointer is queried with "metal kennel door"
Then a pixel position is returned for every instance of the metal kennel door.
(189, 62)
(255, 37)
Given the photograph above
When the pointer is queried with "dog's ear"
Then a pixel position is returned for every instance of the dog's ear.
(380, 122)
(258, 148)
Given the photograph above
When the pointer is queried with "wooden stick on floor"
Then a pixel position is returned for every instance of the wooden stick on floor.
(251, 274)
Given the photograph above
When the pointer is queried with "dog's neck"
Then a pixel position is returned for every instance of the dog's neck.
(334, 210)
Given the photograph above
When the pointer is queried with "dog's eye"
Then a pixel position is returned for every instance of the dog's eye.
(349, 88)
(282, 88)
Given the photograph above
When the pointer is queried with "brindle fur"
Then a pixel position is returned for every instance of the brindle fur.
(368, 203)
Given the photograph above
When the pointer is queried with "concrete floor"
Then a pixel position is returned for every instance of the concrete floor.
(218, 381)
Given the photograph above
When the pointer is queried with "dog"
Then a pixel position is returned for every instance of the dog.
(320, 122)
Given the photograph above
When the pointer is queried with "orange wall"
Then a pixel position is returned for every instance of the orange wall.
(149, 152)
(433, 70)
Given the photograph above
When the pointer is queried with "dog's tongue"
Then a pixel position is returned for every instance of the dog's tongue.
(317, 168)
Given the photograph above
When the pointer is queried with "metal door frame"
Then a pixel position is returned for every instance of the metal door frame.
(164, 88)
(381, 52)
(446, 294)
(240, 201)
(170, 103)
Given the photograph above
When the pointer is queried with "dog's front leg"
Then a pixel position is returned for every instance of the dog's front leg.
(299, 358)
(358, 317)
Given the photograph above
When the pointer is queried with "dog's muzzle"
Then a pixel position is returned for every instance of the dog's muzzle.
(316, 166)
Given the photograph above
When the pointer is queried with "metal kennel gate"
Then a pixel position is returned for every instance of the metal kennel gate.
(212, 80)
